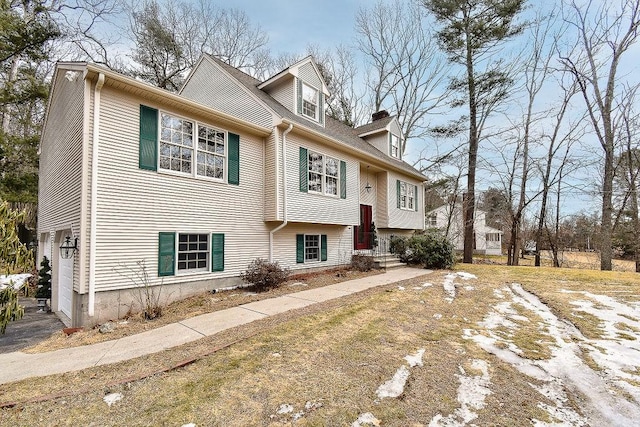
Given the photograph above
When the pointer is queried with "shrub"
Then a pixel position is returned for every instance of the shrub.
(264, 275)
(44, 280)
(397, 245)
(430, 249)
(362, 263)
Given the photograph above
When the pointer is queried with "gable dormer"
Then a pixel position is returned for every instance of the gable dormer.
(384, 133)
(301, 89)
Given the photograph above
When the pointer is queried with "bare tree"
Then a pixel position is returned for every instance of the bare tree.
(604, 36)
(407, 72)
(171, 36)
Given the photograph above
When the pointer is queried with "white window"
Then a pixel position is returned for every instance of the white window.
(193, 252)
(407, 196)
(311, 247)
(309, 102)
(177, 148)
(432, 220)
(324, 174)
(395, 146)
(493, 237)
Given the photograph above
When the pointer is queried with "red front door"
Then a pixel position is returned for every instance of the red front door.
(362, 232)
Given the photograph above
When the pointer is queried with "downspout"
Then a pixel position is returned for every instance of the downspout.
(284, 191)
(94, 195)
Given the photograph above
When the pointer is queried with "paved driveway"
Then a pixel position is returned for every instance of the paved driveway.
(31, 329)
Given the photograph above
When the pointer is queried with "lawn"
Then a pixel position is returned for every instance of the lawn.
(482, 344)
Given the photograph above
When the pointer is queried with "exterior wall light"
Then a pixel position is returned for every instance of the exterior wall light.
(67, 249)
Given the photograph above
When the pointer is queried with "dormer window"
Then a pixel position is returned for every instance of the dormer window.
(309, 102)
(394, 146)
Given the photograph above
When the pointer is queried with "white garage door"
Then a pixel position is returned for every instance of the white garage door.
(65, 285)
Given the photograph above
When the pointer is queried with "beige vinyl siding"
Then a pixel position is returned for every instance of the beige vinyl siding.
(339, 245)
(403, 218)
(135, 205)
(308, 74)
(272, 197)
(284, 93)
(382, 200)
(211, 86)
(60, 170)
(370, 197)
(380, 141)
(318, 208)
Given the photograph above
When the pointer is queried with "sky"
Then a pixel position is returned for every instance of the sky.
(294, 25)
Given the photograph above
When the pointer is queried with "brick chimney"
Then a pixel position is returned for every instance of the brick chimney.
(382, 114)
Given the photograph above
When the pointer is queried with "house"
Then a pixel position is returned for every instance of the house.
(487, 240)
(198, 184)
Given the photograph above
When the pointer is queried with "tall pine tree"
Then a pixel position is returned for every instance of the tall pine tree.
(470, 32)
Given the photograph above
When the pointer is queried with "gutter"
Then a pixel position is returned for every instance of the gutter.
(94, 195)
(284, 190)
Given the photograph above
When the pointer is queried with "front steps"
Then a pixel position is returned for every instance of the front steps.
(388, 261)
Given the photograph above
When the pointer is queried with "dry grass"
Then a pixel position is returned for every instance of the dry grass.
(334, 355)
(195, 306)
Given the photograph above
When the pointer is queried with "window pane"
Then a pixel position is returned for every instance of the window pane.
(332, 167)
(193, 252)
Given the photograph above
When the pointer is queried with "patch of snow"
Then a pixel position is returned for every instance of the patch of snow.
(366, 419)
(395, 386)
(416, 359)
(466, 276)
(604, 405)
(437, 316)
(276, 354)
(297, 416)
(401, 288)
(417, 288)
(471, 395)
(298, 284)
(285, 408)
(469, 288)
(449, 287)
(112, 398)
(427, 285)
(189, 425)
(15, 280)
(312, 406)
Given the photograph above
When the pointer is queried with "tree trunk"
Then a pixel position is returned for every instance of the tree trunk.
(470, 205)
(606, 250)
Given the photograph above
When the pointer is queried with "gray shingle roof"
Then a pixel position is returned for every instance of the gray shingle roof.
(333, 129)
(375, 125)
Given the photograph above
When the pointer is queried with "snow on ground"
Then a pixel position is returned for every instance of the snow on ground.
(112, 398)
(18, 280)
(471, 394)
(395, 386)
(604, 389)
(366, 419)
(450, 286)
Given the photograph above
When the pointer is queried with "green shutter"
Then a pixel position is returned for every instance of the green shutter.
(343, 180)
(415, 197)
(323, 247)
(398, 192)
(166, 254)
(321, 108)
(299, 94)
(217, 252)
(299, 248)
(304, 170)
(233, 143)
(148, 147)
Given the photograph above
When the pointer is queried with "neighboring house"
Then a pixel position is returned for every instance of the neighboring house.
(487, 240)
(200, 183)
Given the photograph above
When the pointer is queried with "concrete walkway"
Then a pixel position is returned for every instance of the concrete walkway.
(17, 365)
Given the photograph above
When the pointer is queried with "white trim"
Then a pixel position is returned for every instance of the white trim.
(304, 249)
(323, 174)
(194, 155)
